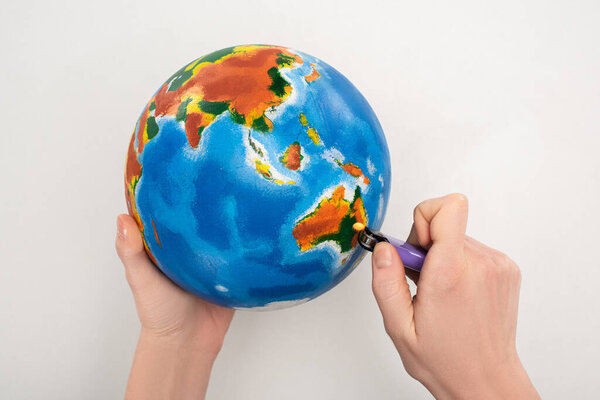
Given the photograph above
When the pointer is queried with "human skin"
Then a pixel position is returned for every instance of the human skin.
(180, 335)
(457, 335)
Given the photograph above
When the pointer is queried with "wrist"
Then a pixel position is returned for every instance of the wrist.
(193, 346)
(500, 381)
(512, 382)
(168, 367)
(197, 341)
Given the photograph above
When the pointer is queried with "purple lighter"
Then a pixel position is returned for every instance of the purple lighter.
(412, 257)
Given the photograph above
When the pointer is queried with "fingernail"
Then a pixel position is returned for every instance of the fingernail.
(382, 257)
(121, 232)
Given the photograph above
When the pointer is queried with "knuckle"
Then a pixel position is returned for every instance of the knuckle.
(458, 200)
(506, 261)
(506, 266)
(492, 272)
(499, 258)
(482, 259)
(489, 266)
(419, 209)
(516, 271)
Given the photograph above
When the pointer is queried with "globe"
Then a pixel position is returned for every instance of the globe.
(246, 171)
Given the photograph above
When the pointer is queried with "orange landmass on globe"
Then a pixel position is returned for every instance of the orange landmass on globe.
(156, 233)
(353, 170)
(246, 81)
(332, 219)
(313, 76)
(360, 215)
(133, 171)
(292, 157)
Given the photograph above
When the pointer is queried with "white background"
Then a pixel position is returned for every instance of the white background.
(498, 100)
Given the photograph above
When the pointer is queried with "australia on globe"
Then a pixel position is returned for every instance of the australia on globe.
(246, 171)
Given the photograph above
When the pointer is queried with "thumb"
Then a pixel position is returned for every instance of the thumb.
(391, 291)
(139, 270)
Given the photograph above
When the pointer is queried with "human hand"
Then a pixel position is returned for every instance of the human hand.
(457, 335)
(181, 334)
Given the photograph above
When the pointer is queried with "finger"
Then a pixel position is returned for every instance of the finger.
(412, 275)
(442, 220)
(140, 271)
(413, 238)
(391, 291)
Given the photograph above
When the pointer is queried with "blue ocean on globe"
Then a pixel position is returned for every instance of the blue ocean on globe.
(246, 171)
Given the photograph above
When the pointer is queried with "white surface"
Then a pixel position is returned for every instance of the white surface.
(501, 102)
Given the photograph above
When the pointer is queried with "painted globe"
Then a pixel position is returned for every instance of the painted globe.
(246, 171)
